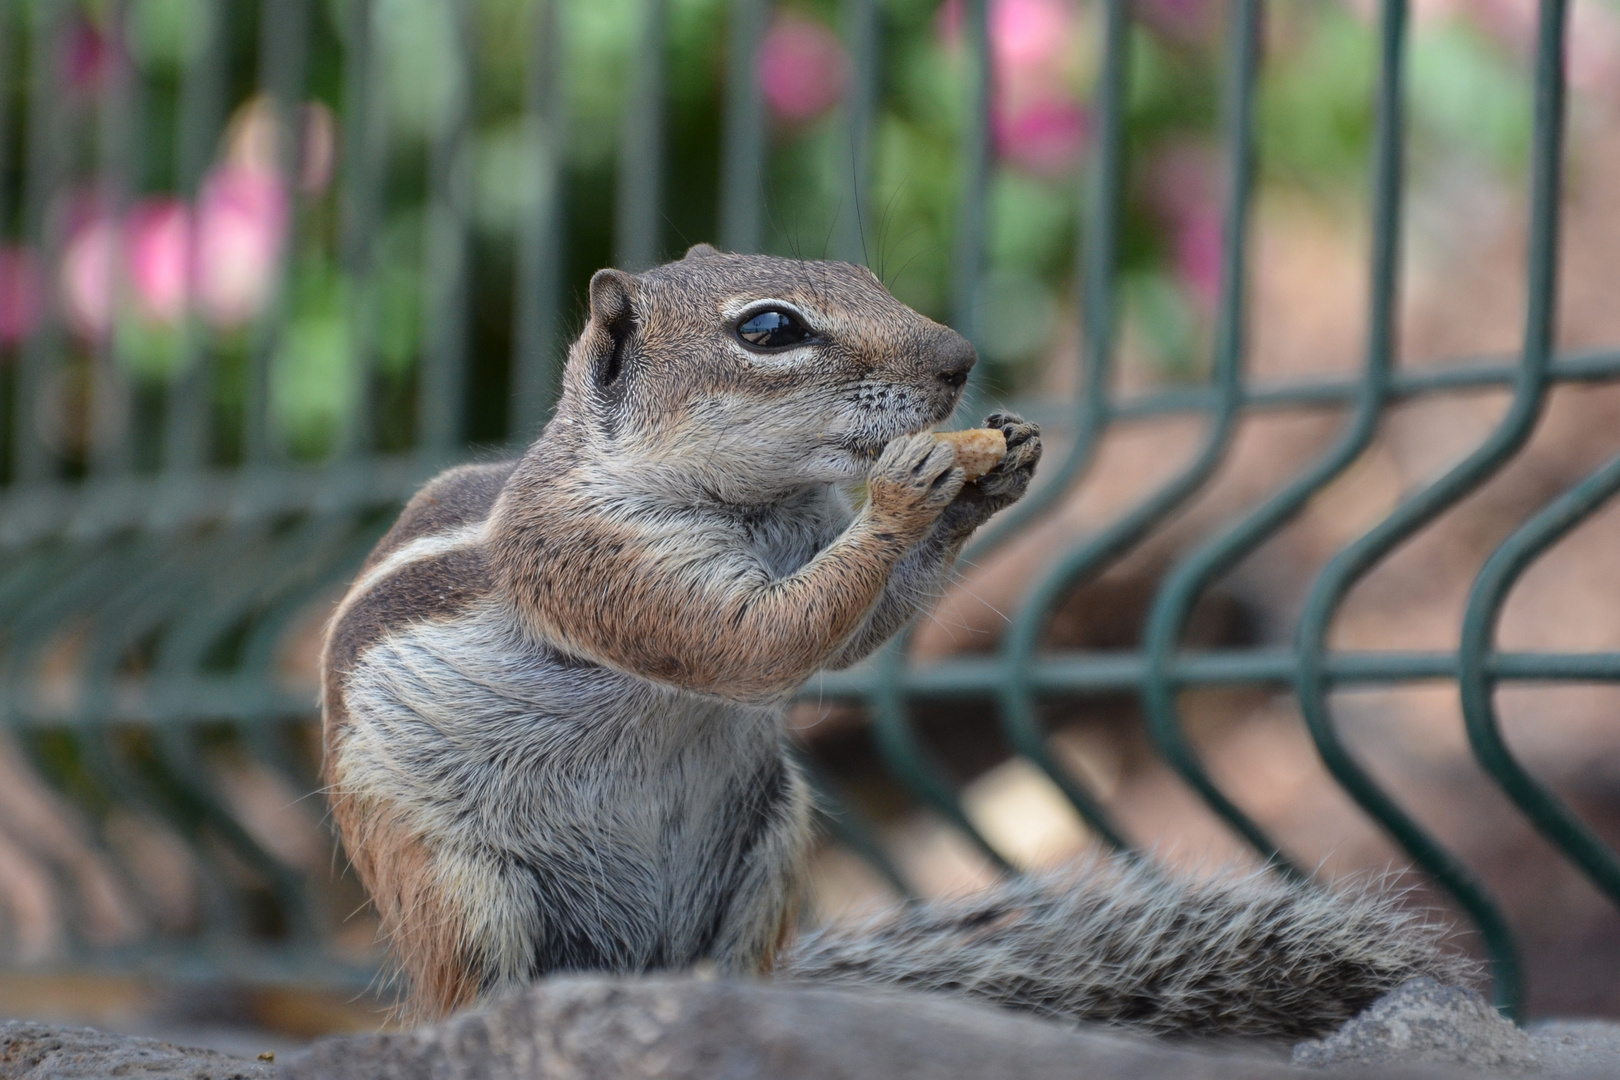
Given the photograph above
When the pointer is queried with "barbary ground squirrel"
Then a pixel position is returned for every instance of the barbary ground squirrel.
(553, 697)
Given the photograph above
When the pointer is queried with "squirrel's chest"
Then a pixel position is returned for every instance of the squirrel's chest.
(592, 821)
(489, 740)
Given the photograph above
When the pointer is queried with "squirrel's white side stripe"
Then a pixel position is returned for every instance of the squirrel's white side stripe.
(423, 547)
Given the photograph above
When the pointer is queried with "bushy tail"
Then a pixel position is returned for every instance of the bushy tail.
(1116, 940)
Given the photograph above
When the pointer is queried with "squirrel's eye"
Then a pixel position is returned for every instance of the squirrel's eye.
(774, 329)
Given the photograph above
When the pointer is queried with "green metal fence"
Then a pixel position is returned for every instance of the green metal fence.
(161, 551)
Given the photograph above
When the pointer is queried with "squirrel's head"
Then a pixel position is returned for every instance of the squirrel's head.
(748, 376)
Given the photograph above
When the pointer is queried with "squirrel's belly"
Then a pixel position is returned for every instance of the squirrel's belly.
(582, 819)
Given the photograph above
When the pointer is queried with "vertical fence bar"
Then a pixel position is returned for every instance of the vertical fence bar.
(967, 257)
(48, 121)
(1360, 557)
(442, 388)
(905, 756)
(892, 723)
(1173, 605)
(1102, 211)
(537, 371)
(188, 410)
(1088, 556)
(365, 163)
(639, 215)
(110, 417)
(742, 151)
(283, 55)
(8, 67)
(863, 35)
(8, 60)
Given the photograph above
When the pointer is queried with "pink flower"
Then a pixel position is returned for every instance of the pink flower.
(1196, 253)
(802, 68)
(223, 256)
(252, 141)
(88, 263)
(88, 56)
(21, 295)
(147, 255)
(1037, 119)
(157, 237)
(1044, 137)
(241, 220)
(1025, 32)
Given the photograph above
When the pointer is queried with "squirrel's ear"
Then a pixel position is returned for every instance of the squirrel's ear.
(699, 251)
(613, 296)
(613, 315)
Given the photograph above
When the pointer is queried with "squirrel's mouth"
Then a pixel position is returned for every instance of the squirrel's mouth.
(869, 447)
(865, 448)
(865, 443)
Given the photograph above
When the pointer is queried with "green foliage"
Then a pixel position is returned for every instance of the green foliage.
(1031, 224)
(313, 389)
(416, 39)
(1167, 320)
(1317, 103)
(1467, 96)
(151, 352)
(1468, 101)
(167, 35)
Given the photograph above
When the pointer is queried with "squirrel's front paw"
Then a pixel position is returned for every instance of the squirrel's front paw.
(913, 481)
(1004, 484)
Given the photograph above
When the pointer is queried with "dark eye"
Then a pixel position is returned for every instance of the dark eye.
(774, 329)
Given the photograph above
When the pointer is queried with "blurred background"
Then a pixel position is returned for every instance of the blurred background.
(264, 267)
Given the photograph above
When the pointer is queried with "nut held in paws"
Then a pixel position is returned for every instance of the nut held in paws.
(977, 449)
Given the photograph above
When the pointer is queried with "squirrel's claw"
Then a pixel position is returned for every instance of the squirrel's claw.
(1007, 481)
(1004, 484)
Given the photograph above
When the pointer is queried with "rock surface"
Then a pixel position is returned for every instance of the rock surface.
(30, 1051)
(691, 1029)
(687, 1028)
(1424, 1021)
(1592, 1046)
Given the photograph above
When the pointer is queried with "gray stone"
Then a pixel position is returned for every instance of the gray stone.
(30, 1051)
(1591, 1046)
(686, 1028)
(1424, 1021)
(594, 1028)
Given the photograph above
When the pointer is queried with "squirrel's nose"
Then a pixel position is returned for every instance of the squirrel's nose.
(954, 359)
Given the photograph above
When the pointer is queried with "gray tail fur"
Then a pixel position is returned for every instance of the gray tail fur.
(1115, 940)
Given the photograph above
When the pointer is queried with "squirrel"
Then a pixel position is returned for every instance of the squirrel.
(553, 698)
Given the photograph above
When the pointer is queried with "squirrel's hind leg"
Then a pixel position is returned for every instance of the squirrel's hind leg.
(420, 917)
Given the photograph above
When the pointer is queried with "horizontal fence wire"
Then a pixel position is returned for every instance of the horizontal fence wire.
(181, 553)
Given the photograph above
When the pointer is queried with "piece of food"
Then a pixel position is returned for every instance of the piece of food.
(977, 449)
